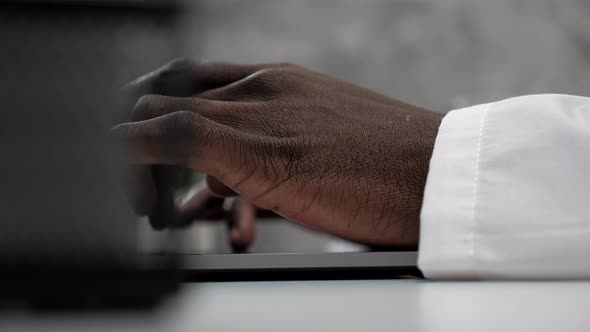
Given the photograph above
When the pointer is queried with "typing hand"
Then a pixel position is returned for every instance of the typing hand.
(316, 150)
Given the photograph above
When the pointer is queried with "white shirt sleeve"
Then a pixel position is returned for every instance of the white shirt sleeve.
(508, 192)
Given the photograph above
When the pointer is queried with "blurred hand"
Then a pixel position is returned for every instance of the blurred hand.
(316, 150)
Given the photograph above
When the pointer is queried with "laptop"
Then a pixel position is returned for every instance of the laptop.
(282, 251)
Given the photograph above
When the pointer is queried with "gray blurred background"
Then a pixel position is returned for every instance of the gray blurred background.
(438, 54)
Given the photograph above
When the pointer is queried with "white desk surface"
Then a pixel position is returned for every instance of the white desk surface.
(364, 305)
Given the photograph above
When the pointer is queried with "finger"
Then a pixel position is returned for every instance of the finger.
(166, 139)
(172, 135)
(218, 188)
(211, 75)
(174, 79)
(260, 85)
(200, 203)
(185, 77)
(181, 138)
(153, 106)
(244, 116)
(188, 139)
(242, 225)
(231, 114)
(180, 77)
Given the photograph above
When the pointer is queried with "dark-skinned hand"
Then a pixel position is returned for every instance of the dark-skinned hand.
(321, 152)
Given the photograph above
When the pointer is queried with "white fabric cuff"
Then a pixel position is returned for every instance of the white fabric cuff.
(447, 234)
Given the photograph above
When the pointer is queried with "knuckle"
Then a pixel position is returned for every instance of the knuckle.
(144, 107)
(177, 72)
(264, 74)
(288, 74)
(146, 101)
(264, 79)
(286, 65)
(177, 135)
(292, 70)
(179, 64)
(175, 78)
(294, 67)
(181, 122)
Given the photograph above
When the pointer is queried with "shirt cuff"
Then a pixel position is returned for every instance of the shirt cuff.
(447, 230)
